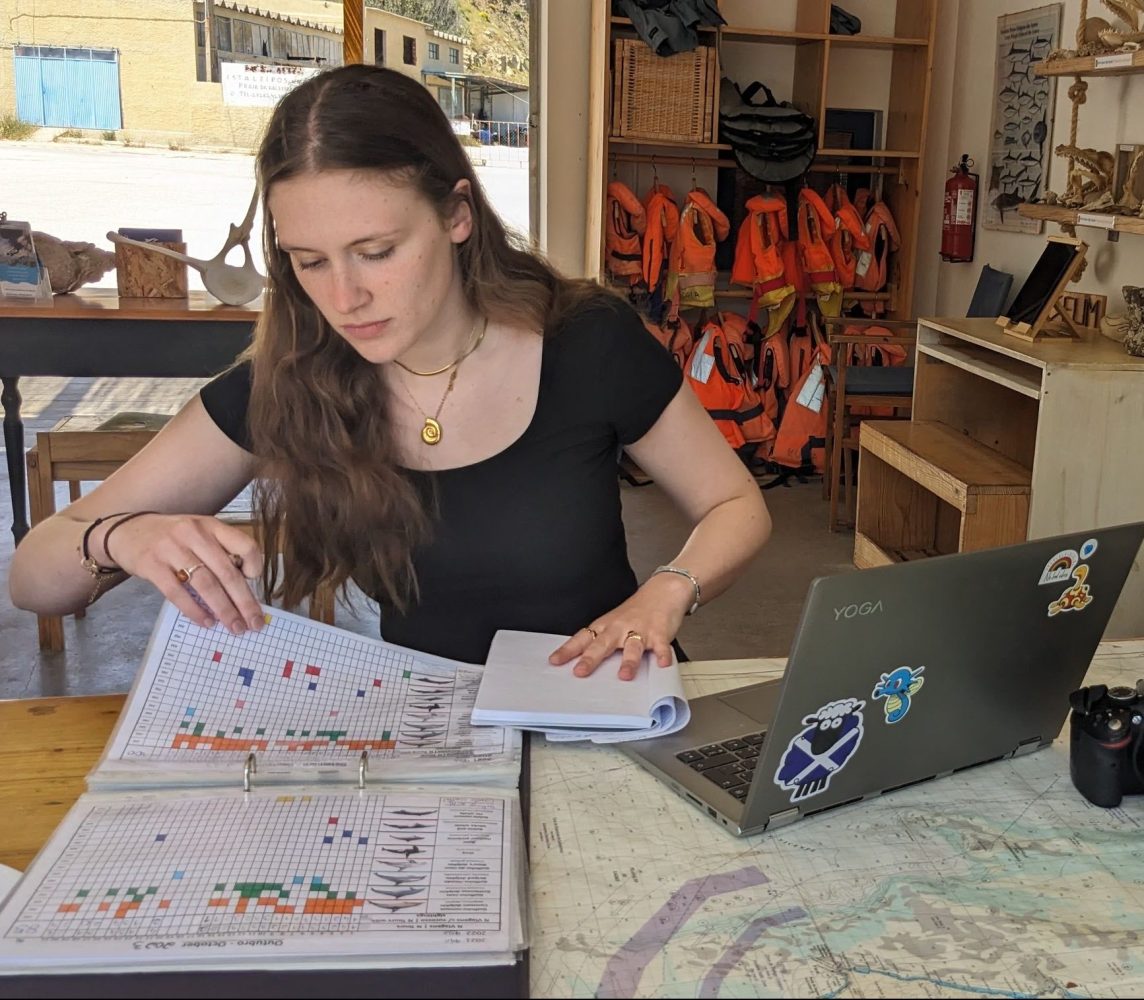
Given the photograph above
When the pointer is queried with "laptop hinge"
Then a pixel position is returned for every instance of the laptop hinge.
(1028, 746)
(785, 818)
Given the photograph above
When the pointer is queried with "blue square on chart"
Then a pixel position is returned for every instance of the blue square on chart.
(312, 686)
(190, 711)
(178, 874)
(363, 840)
(327, 840)
(299, 879)
(361, 693)
(347, 833)
(160, 837)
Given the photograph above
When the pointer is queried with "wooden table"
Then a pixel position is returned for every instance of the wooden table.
(94, 333)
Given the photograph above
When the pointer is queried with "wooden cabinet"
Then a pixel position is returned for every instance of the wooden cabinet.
(1008, 441)
(786, 44)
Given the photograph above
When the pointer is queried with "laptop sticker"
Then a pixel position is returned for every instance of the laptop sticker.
(898, 688)
(1067, 565)
(822, 749)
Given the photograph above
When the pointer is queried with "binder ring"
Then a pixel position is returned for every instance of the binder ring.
(363, 765)
(249, 768)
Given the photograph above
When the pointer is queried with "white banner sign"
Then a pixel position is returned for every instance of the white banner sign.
(259, 85)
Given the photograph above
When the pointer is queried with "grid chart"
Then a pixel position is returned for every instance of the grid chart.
(286, 865)
(296, 689)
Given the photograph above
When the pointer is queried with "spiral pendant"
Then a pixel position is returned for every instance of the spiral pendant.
(431, 432)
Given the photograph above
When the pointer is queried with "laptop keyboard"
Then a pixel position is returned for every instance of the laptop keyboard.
(730, 764)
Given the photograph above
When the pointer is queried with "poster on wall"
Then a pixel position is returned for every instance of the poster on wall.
(1021, 132)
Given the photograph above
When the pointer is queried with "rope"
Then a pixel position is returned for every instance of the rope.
(1080, 31)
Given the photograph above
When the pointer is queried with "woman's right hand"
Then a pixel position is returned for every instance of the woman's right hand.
(189, 556)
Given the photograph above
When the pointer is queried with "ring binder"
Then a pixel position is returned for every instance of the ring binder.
(249, 768)
(363, 766)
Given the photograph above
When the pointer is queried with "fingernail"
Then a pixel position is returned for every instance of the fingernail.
(256, 623)
(237, 628)
(209, 623)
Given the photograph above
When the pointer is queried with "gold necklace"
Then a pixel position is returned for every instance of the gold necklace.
(444, 368)
(431, 431)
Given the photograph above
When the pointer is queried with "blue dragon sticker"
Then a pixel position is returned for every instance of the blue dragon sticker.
(898, 688)
(821, 750)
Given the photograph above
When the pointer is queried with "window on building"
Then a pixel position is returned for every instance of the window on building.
(222, 33)
(243, 37)
(454, 55)
(378, 47)
(261, 39)
(434, 50)
(200, 33)
(409, 50)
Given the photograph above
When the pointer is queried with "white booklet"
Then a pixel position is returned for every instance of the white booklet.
(521, 689)
(301, 797)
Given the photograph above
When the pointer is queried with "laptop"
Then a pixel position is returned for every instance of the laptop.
(901, 674)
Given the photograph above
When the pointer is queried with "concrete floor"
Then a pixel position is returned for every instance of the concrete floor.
(757, 617)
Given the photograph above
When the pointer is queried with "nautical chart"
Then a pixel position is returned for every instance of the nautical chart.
(974, 885)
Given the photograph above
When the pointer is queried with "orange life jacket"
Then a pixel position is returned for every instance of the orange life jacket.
(874, 269)
(626, 224)
(662, 228)
(816, 221)
(862, 200)
(710, 373)
(849, 235)
(764, 365)
(759, 260)
(801, 440)
(691, 278)
(675, 335)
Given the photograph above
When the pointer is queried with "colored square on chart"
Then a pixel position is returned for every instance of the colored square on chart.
(361, 693)
(260, 731)
(347, 833)
(238, 729)
(190, 711)
(291, 732)
(178, 874)
(220, 887)
(331, 821)
(288, 669)
(377, 682)
(299, 879)
(363, 840)
(312, 670)
(217, 656)
(82, 893)
(164, 904)
(247, 675)
(160, 837)
(313, 685)
(327, 840)
(239, 703)
(407, 674)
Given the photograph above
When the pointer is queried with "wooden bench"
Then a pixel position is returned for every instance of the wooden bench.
(926, 489)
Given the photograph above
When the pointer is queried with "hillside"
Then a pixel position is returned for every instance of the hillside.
(497, 31)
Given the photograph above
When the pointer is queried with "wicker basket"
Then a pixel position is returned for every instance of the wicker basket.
(668, 98)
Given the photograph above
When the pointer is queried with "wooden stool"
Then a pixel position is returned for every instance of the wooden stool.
(89, 449)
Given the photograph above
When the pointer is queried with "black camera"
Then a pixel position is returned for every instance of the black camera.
(1106, 742)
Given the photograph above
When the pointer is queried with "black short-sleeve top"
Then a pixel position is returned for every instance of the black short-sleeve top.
(531, 538)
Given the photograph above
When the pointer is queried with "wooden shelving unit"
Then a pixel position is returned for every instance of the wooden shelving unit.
(1008, 440)
(909, 49)
(1079, 217)
(1116, 64)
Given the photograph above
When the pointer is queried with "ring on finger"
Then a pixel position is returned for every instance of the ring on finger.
(633, 635)
(184, 575)
(591, 631)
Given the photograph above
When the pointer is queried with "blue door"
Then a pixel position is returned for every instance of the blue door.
(68, 87)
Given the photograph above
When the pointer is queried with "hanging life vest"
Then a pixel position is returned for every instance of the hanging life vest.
(676, 337)
(816, 221)
(623, 239)
(849, 239)
(766, 367)
(691, 278)
(662, 229)
(873, 273)
(801, 440)
(759, 262)
(718, 388)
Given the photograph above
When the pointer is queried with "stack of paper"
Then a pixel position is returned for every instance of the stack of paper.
(522, 690)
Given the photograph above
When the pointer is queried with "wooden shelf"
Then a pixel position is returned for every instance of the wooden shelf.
(876, 41)
(1122, 64)
(666, 143)
(890, 154)
(989, 365)
(1070, 217)
(769, 36)
(626, 22)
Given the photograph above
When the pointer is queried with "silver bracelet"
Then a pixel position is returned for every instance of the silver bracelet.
(682, 572)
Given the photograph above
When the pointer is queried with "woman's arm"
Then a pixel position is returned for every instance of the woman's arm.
(190, 469)
(688, 457)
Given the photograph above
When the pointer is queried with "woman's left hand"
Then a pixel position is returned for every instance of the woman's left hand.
(646, 622)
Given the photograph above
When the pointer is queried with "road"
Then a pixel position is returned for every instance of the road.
(80, 192)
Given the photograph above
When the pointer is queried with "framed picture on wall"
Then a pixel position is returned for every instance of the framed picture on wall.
(1021, 130)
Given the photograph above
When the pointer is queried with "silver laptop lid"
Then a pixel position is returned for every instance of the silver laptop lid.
(905, 672)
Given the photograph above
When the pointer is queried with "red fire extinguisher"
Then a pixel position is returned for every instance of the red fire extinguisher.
(959, 217)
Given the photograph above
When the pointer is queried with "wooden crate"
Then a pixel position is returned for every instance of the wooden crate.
(665, 98)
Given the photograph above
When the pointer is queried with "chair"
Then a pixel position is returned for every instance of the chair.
(991, 293)
(854, 389)
(89, 449)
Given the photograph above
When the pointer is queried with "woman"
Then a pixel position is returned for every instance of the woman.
(428, 411)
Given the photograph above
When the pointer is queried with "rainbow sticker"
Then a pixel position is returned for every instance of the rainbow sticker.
(1068, 566)
(1059, 568)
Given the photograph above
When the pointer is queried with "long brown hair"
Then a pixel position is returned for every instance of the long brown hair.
(332, 497)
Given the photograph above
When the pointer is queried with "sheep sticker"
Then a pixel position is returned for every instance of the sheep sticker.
(821, 750)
